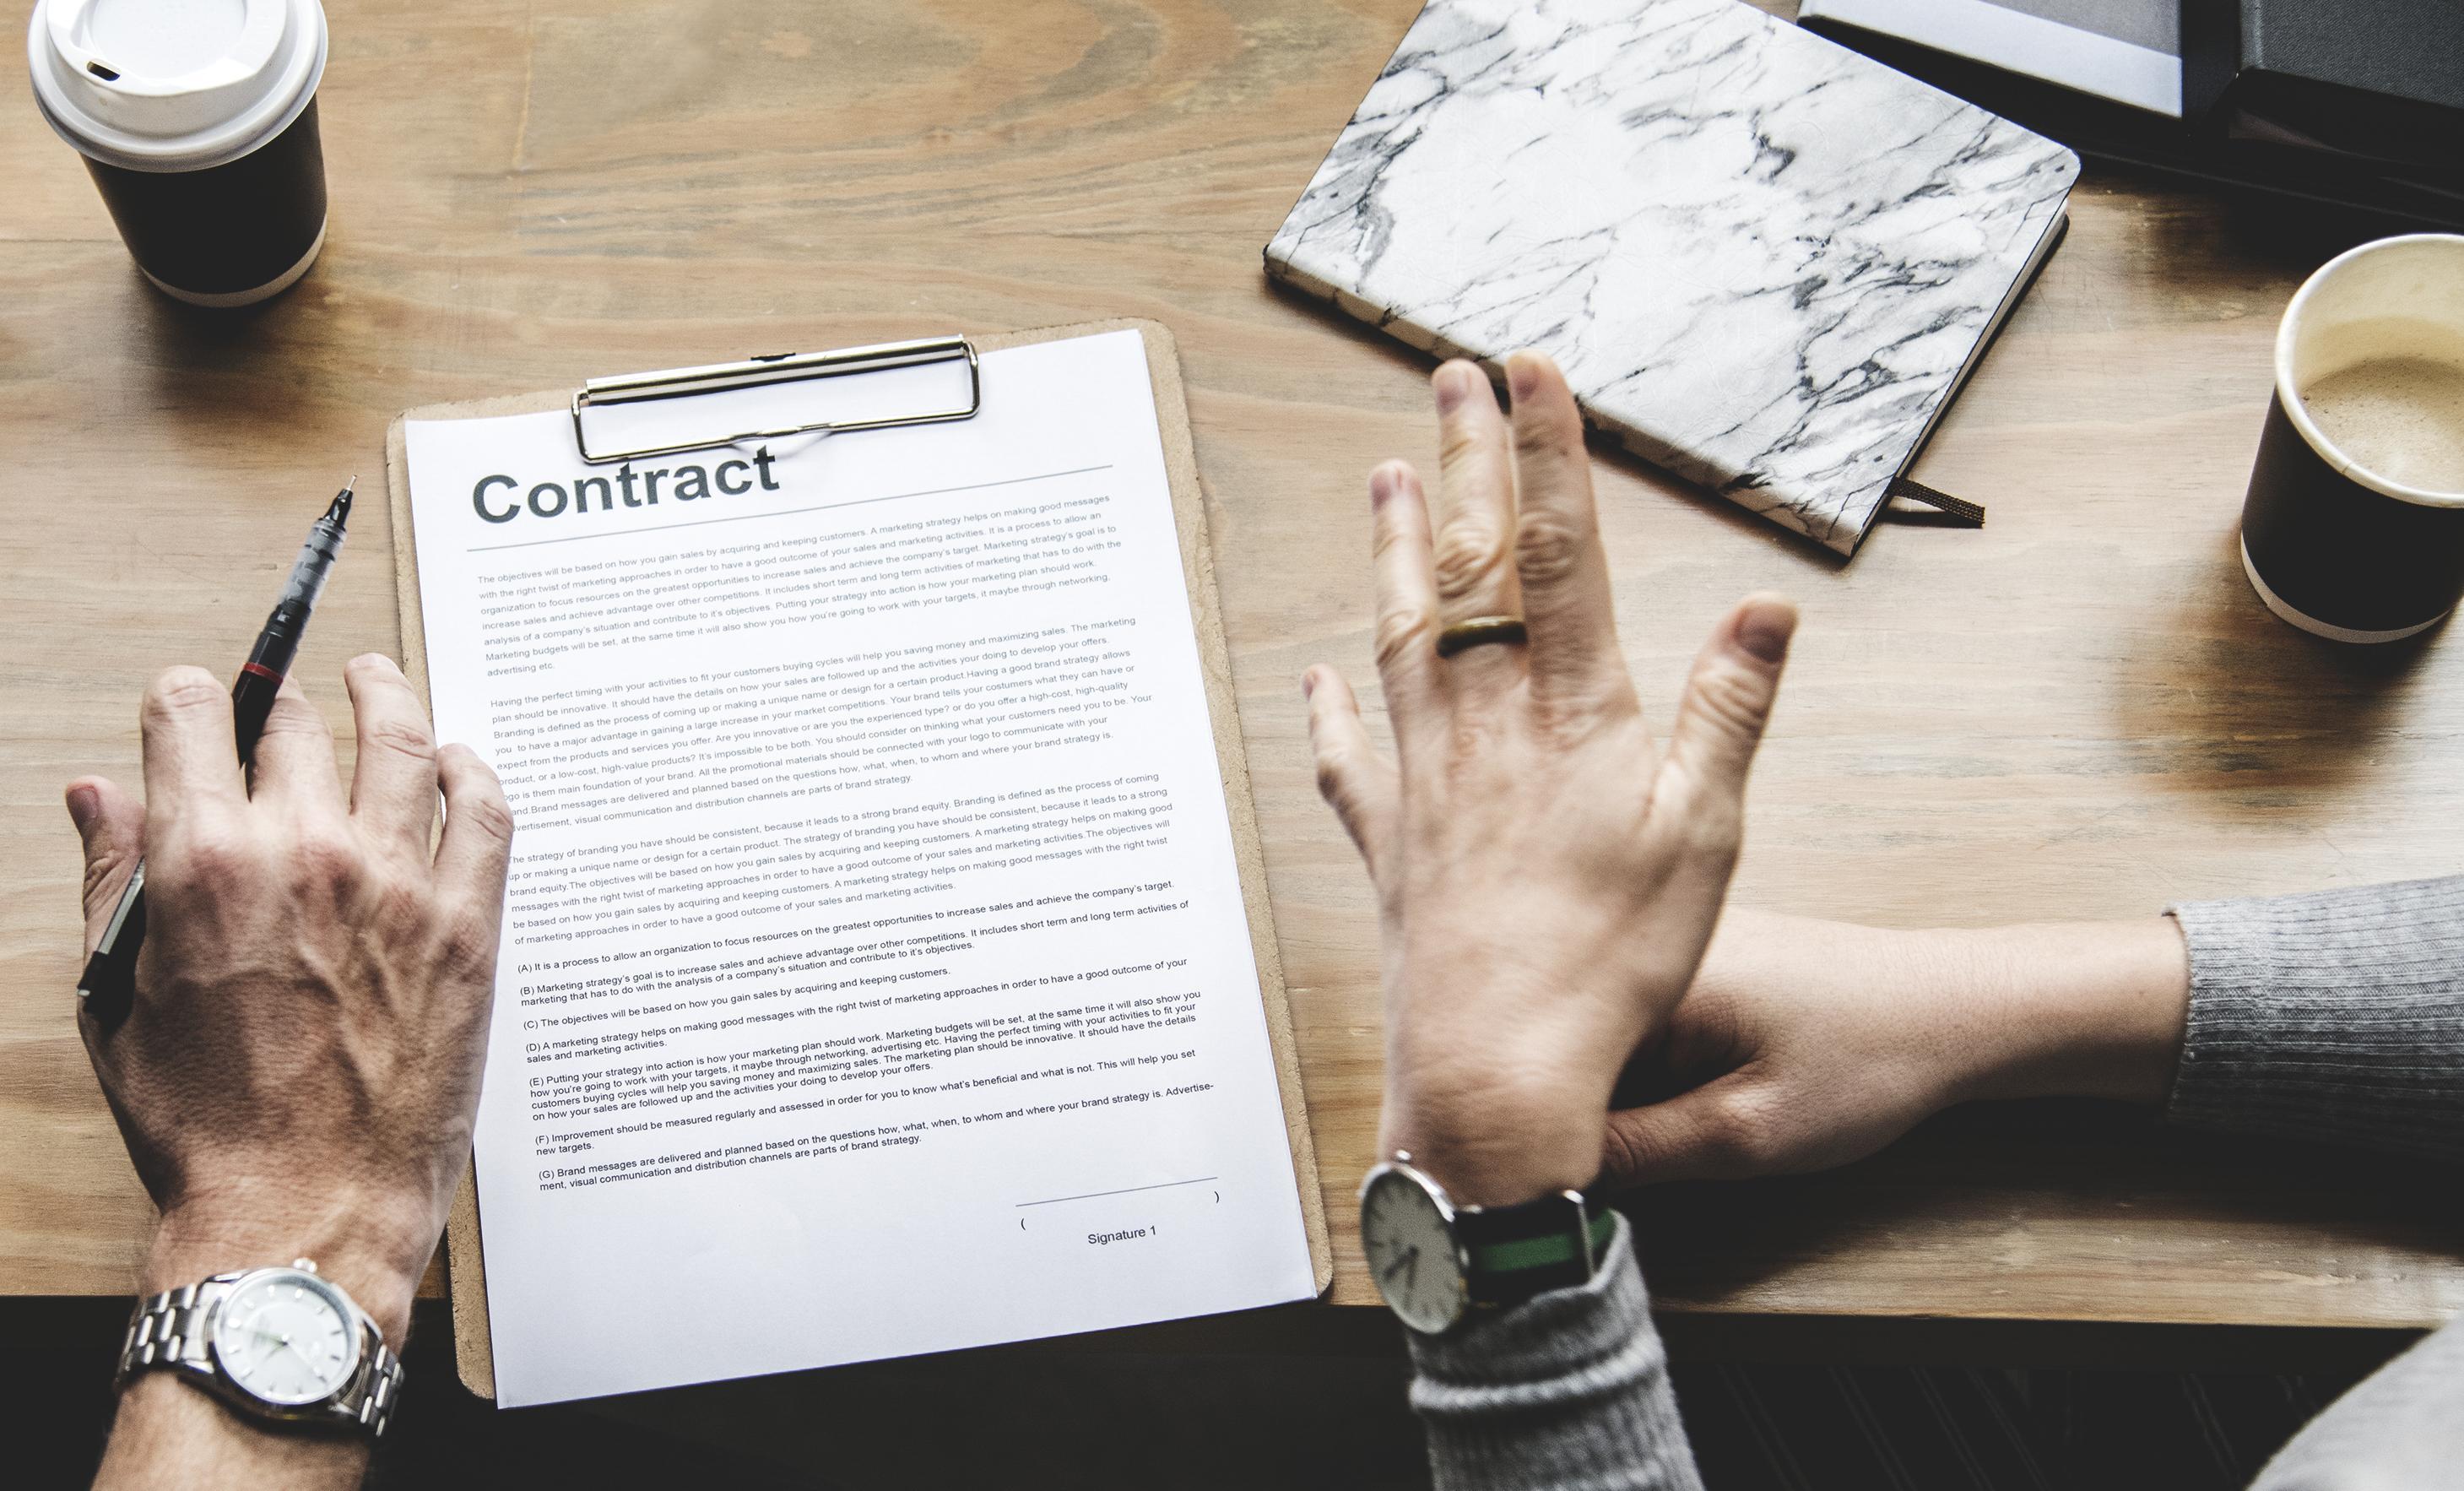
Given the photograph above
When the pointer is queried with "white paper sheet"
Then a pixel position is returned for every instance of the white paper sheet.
(875, 977)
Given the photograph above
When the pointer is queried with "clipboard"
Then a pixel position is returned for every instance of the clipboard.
(466, 1270)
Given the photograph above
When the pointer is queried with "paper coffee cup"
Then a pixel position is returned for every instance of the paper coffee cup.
(197, 120)
(2353, 527)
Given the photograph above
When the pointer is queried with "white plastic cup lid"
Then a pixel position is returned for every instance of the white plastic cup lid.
(174, 86)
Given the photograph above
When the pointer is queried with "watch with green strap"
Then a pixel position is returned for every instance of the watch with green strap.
(1438, 1265)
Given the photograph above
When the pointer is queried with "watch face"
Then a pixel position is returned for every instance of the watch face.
(1411, 1251)
(285, 1336)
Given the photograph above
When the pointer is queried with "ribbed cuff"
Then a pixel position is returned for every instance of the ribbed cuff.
(1569, 1389)
(2334, 1016)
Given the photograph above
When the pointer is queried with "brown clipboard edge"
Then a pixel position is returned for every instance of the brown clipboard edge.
(465, 1267)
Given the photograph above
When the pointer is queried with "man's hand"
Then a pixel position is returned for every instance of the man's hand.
(1546, 878)
(297, 1074)
(1807, 1044)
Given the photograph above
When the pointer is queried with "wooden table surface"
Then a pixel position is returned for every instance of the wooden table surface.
(2080, 710)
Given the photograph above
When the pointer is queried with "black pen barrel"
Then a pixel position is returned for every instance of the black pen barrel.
(109, 982)
(251, 701)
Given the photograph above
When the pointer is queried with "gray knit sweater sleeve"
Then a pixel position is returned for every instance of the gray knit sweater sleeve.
(1569, 1390)
(2334, 1016)
(2338, 1015)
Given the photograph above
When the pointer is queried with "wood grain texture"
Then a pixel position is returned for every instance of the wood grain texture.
(2079, 710)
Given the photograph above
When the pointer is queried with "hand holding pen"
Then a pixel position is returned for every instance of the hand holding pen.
(295, 1065)
(109, 982)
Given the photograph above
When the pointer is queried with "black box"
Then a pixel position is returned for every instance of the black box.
(2378, 81)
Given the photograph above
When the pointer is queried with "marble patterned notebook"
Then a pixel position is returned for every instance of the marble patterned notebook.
(1764, 261)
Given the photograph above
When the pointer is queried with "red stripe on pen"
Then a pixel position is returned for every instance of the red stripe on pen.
(261, 671)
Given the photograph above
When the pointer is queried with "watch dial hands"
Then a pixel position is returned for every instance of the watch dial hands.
(274, 1341)
(1403, 1216)
(293, 1346)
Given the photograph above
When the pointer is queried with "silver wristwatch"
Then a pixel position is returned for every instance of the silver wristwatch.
(1438, 1265)
(281, 1344)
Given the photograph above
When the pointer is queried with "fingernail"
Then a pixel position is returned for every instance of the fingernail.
(1765, 629)
(1456, 382)
(1382, 483)
(1308, 683)
(84, 802)
(1521, 376)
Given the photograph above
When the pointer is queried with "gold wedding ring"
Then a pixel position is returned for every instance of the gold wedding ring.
(1480, 632)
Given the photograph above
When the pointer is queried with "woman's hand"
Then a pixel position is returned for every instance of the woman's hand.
(1547, 879)
(1806, 1044)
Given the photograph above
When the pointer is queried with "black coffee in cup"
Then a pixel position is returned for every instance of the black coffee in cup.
(197, 120)
(2354, 525)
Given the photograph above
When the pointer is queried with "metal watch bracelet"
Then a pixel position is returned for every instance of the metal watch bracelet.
(169, 1331)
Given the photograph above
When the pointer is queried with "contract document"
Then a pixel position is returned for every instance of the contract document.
(877, 976)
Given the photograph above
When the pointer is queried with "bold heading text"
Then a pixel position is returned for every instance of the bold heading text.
(500, 499)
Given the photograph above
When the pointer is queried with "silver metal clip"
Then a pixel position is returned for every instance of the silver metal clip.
(779, 368)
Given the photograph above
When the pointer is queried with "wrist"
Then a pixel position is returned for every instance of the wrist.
(371, 1249)
(1495, 1148)
(166, 1432)
(2086, 1010)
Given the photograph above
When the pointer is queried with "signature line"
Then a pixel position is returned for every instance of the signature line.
(1123, 1192)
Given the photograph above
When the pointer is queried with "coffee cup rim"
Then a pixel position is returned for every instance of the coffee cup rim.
(199, 149)
(2288, 396)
